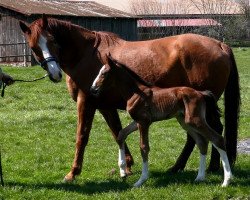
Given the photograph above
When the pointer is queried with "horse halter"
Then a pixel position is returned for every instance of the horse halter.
(46, 60)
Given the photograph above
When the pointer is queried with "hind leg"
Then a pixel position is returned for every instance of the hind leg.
(215, 124)
(226, 167)
(144, 146)
(202, 144)
(218, 141)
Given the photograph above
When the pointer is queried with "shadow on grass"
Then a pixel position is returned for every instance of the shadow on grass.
(88, 187)
(161, 179)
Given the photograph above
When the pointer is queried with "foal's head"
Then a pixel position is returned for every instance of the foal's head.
(106, 77)
(44, 46)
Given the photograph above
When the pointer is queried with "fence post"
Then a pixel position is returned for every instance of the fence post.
(24, 57)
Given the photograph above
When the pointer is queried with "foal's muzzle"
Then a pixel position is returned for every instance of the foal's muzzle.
(94, 91)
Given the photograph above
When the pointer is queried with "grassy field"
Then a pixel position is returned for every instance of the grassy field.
(38, 125)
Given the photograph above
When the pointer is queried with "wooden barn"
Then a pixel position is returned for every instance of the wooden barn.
(91, 15)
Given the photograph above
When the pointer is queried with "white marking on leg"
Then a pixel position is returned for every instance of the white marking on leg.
(226, 167)
(122, 162)
(144, 175)
(53, 68)
(202, 169)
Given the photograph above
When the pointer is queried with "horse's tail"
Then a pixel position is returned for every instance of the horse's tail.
(232, 108)
(212, 110)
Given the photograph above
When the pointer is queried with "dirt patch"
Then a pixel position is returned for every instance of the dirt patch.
(244, 146)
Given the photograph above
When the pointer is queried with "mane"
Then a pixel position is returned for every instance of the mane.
(55, 26)
(108, 37)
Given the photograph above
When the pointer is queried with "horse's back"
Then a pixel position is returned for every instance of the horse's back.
(183, 60)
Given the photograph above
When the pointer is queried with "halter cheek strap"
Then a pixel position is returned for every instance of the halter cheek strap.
(46, 60)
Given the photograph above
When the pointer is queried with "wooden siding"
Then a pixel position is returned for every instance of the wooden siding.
(13, 47)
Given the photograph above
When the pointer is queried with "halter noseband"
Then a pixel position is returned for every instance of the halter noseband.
(46, 60)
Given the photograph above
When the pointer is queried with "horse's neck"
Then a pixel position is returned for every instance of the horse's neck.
(73, 40)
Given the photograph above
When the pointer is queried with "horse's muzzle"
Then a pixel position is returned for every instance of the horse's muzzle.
(55, 80)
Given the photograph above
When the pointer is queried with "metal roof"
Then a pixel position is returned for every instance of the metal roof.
(63, 7)
(177, 22)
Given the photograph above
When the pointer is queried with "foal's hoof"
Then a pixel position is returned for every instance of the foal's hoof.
(68, 178)
(128, 171)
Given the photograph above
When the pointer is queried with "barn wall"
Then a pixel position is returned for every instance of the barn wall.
(13, 47)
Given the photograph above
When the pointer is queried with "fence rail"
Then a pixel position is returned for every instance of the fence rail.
(17, 52)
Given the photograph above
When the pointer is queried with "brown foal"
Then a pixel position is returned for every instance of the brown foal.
(147, 104)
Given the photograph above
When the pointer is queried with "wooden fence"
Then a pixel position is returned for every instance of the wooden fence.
(15, 53)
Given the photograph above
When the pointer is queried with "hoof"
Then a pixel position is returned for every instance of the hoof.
(128, 171)
(175, 169)
(140, 183)
(199, 179)
(112, 172)
(68, 178)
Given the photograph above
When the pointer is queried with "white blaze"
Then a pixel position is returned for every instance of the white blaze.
(53, 68)
(97, 77)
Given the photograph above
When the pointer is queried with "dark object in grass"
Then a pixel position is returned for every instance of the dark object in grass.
(1, 171)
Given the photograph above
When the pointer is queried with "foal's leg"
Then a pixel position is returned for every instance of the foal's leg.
(202, 144)
(218, 141)
(112, 118)
(144, 146)
(85, 118)
(216, 125)
(121, 140)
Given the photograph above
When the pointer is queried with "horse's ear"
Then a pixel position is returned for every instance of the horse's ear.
(44, 21)
(24, 27)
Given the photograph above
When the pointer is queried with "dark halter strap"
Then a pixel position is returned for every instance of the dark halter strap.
(46, 60)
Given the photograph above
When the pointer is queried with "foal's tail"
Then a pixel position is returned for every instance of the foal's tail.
(212, 110)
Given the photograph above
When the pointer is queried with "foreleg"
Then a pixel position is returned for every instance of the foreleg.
(112, 118)
(85, 118)
(121, 140)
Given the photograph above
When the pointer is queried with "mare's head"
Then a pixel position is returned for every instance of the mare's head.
(44, 47)
(105, 78)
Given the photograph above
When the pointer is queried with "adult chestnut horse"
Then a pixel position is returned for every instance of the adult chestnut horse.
(185, 60)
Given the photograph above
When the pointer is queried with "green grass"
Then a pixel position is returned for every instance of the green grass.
(38, 125)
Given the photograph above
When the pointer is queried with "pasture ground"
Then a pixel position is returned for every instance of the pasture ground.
(37, 139)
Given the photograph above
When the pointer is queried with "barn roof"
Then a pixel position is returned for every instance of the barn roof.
(63, 7)
(177, 22)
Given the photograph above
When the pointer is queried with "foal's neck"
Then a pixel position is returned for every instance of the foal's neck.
(128, 86)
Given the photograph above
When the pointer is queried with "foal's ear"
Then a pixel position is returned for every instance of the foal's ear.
(24, 27)
(111, 61)
(44, 21)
